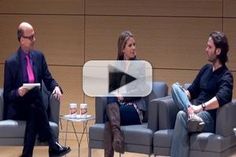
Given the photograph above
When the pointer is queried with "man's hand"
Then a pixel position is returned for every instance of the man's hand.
(57, 93)
(22, 91)
(194, 109)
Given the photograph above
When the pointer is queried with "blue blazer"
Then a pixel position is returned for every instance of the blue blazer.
(13, 75)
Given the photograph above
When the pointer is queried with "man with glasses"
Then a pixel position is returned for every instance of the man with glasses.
(29, 66)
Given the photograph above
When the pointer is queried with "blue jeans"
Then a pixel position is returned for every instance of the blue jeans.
(180, 97)
(180, 140)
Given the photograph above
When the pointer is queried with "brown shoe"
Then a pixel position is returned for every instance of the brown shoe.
(113, 113)
(118, 142)
(108, 148)
(195, 124)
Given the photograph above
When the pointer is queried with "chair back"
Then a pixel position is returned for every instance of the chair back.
(1, 104)
(159, 90)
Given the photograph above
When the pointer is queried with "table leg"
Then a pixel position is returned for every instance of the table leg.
(84, 129)
(66, 132)
(82, 134)
(77, 138)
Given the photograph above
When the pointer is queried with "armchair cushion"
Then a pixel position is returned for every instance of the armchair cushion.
(1, 103)
(133, 133)
(211, 142)
(16, 129)
(226, 119)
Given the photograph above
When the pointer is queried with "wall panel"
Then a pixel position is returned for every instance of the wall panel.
(61, 38)
(172, 76)
(181, 76)
(2, 75)
(91, 104)
(230, 31)
(42, 6)
(70, 79)
(165, 42)
(206, 8)
(229, 8)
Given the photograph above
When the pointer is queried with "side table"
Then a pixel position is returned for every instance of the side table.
(77, 119)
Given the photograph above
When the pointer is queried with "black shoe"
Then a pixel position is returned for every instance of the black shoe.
(58, 150)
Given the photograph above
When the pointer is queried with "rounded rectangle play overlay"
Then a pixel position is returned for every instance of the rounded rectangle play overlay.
(108, 78)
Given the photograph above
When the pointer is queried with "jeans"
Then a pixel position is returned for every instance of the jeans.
(180, 141)
(180, 97)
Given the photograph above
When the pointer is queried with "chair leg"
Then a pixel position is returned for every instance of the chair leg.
(89, 152)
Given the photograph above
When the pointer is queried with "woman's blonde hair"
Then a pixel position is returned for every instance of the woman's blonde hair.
(123, 38)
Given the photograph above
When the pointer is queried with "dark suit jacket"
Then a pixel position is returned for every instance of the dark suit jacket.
(13, 75)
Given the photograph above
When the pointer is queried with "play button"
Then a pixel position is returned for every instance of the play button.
(115, 73)
(111, 77)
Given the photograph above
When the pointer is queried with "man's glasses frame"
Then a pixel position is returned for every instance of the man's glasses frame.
(29, 37)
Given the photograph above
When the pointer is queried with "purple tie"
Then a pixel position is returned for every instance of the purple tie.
(29, 70)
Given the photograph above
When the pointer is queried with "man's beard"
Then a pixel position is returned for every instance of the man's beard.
(213, 60)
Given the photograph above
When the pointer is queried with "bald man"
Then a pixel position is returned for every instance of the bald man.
(29, 66)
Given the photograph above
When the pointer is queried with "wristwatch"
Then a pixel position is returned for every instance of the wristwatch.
(203, 106)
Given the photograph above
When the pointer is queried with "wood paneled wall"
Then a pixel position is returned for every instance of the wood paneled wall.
(171, 34)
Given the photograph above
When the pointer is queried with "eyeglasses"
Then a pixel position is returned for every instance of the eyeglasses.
(29, 37)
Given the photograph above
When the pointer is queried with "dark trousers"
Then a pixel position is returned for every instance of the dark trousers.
(128, 113)
(31, 108)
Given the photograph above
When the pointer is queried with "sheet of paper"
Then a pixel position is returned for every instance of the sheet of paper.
(30, 86)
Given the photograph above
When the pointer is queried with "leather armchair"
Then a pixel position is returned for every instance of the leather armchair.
(222, 143)
(12, 131)
(138, 138)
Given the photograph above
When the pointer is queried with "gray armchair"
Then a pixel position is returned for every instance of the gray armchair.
(138, 138)
(222, 143)
(12, 131)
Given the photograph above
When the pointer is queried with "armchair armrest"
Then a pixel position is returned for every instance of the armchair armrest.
(225, 119)
(100, 107)
(153, 113)
(54, 109)
(167, 113)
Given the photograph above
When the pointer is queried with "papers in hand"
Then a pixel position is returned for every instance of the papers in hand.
(30, 86)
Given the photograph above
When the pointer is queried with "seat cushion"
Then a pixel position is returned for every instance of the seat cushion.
(163, 138)
(16, 129)
(134, 134)
(96, 132)
(12, 128)
(211, 142)
(204, 142)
